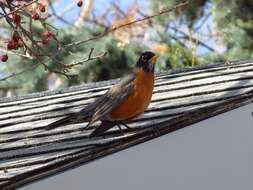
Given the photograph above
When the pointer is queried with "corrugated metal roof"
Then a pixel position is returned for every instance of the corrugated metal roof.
(28, 152)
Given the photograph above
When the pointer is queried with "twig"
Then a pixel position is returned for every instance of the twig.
(17, 54)
(186, 36)
(67, 9)
(203, 21)
(115, 6)
(20, 8)
(85, 10)
(89, 58)
(19, 73)
(60, 18)
(64, 73)
(32, 47)
(163, 11)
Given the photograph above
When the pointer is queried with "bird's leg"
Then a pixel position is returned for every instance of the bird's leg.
(118, 125)
(125, 125)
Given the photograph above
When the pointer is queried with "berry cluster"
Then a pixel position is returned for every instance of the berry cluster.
(46, 37)
(17, 38)
(20, 14)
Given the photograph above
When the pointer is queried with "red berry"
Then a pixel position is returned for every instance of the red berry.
(4, 58)
(47, 34)
(79, 3)
(42, 8)
(12, 45)
(16, 18)
(45, 41)
(35, 15)
(15, 36)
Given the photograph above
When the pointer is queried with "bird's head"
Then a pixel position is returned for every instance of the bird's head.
(147, 61)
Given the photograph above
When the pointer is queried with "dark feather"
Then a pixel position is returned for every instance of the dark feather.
(113, 98)
(105, 125)
(64, 121)
(101, 107)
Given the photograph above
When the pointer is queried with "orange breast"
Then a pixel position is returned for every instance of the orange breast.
(139, 100)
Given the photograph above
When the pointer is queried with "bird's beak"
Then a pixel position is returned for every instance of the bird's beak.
(154, 59)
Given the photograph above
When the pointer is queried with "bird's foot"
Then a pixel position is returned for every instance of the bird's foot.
(125, 125)
(121, 131)
(119, 123)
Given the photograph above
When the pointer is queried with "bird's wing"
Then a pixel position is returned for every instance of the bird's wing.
(101, 106)
(114, 96)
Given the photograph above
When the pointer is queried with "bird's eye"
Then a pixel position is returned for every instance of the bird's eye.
(144, 57)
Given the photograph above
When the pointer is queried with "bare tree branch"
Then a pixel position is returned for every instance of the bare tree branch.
(186, 36)
(14, 74)
(89, 58)
(85, 11)
(112, 29)
(17, 9)
(17, 54)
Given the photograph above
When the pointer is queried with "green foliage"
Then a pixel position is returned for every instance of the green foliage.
(176, 56)
(233, 21)
(118, 62)
(189, 14)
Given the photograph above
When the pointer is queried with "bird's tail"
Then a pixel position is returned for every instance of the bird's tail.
(66, 120)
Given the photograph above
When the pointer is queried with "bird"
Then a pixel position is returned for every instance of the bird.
(124, 101)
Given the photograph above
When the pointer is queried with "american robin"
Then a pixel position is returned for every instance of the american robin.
(124, 101)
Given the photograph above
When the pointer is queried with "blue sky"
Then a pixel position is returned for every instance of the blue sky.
(101, 5)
